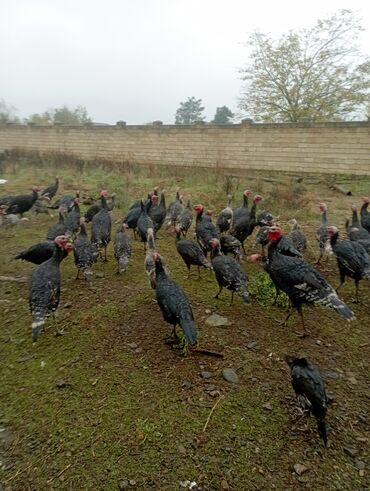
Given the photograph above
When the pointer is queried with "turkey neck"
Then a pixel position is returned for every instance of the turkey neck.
(163, 200)
(355, 222)
(216, 252)
(324, 219)
(199, 216)
(58, 255)
(61, 217)
(104, 203)
(364, 209)
(333, 239)
(272, 248)
(253, 211)
(83, 232)
(245, 201)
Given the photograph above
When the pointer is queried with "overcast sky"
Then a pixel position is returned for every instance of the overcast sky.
(136, 60)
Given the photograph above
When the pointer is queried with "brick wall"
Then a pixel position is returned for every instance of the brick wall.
(307, 147)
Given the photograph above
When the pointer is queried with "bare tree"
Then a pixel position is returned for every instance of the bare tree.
(314, 74)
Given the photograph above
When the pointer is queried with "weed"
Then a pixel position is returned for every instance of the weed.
(263, 291)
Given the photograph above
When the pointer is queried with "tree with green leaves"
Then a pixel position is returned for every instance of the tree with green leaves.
(62, 115)
(189, 111)
(223, 115)
(315, 74)
(7, 113)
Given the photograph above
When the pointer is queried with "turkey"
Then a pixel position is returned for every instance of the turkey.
(225, 217)
(158, 212)
(72, 218)
(204, 229)
(66, 201)
(133, 215)
(310, 391)
(302, 283)
(9, 219)
(322, 234)
(96, 207)
(41, 205)
(185, 219)
(39, 253)
(174, 210)
(84, 253)
(297, 237)
(137, 203)
(229, 273)
(365, 214)
(264, 218)
(144, 221)
(101, 226)
(20, 203)
(352, 258)
(230, 245)
(59, 228)
(243, 210)
(243, 227)
(174, 304)
(52, 190)
(122, 248)
(355, 230)
(190, 252)
(44, 291)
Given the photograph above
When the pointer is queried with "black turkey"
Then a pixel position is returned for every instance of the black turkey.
(44, 291)
(310, 391)
(174, 304)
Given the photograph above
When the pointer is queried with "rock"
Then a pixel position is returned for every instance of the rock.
(187, 384)
(230, 375)
(60, 383)
(181, 449)
(330, 374)
(132, 482)
(67, 305)
(352, 380)
(359, 464)
(99, 275)
(352, 452)
(214, 393)
(132, 345)
(267, 406)
(210, 387)
(123, 484)
(216, 320)
(300, 469)
(205, 374)
(207, 311)
(252, 344)
(25, 357)
(224, 485)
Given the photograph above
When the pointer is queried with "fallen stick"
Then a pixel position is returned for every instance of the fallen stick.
(211, 412)
(60, 473)
(202, 351)
(336, 187)
(22, 279)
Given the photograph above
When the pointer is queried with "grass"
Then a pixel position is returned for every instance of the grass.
(109, 401)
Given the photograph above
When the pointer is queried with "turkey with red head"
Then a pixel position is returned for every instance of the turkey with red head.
(300, 281)
(44, 291)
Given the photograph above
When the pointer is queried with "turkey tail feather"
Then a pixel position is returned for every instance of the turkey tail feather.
(189, 329)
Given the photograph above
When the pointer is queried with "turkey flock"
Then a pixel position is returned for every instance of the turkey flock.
(218, 245)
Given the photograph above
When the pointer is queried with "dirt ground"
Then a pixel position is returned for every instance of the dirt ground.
(101, 402)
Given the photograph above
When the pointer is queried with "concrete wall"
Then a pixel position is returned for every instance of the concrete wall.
(315, 148)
